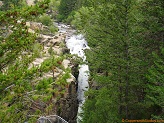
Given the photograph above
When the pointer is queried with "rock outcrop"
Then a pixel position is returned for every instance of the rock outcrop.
(1, 3)
(30, 2)
(69, 104)
(64, 100)
(63, 96)
(36, 26)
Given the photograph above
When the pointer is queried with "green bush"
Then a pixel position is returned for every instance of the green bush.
(37, 48)
(70, 18)
(53, 29)
(46, 20)
(54, 4)
(60, 17)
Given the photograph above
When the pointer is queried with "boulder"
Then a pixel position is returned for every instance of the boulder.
(36, 26)
(57, 50)
(30, 2)
(28, 24)
(55, 42)
(1, 3)
(30, 30)
(65, 50)
(55, 37)
(65, 63)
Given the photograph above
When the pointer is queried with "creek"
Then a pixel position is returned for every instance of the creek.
(76, 43)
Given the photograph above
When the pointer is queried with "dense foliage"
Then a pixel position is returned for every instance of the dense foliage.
(122, 35)
(66, 8)
(25, 93)
(126, 59)
(10, 4)
(155, 90)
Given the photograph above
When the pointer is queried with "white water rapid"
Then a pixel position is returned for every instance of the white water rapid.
(77, 45)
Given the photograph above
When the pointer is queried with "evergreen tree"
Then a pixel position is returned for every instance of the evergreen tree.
(122, 35)
(65, 8)
(18, 88)
(153, 33)
(155, 90)
(153, 24)
(112, 36)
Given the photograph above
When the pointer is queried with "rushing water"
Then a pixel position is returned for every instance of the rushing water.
(77, 44)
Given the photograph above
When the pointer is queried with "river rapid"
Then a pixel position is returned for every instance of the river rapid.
(77, 44)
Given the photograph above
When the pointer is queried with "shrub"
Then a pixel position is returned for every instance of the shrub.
(37, 48)
(46, 20)
(53, 29)
(70, 18)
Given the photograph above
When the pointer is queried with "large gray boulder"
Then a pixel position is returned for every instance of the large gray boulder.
(1, 3)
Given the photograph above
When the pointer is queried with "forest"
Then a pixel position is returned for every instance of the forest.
(125, 59)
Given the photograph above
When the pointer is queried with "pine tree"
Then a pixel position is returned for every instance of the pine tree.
(16, 45)
(65, 8)
(122, 35)
(155, 90)
(116, 60)
(153, 25)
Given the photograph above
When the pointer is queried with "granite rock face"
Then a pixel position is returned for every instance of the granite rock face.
(68, 104)
(64, 100)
